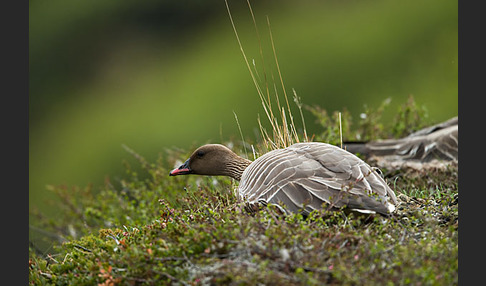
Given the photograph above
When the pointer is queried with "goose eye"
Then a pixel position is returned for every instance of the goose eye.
(200, 153)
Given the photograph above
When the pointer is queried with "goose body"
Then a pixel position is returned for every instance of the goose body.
(437, 142)
(302, 177)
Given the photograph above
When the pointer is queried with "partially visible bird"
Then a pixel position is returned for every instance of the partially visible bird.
(435, 143)
(302, 177)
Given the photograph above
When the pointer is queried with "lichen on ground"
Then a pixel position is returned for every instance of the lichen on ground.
(195, 232)
(148, 229)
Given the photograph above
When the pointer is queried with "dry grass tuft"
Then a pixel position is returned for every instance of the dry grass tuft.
(284, 131)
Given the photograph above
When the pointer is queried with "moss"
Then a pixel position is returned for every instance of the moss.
(148, 228)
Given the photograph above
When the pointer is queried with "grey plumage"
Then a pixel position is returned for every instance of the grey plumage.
(437, 142)
(302, 177)
(307, 175)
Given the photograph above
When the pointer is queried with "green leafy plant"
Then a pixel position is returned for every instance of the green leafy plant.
(194, 231)
(409, 118)
(146, 229)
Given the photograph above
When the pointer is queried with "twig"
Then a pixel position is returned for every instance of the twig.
(340, 130)
(137, 156)
(82, 247)
(167, 275)
(241, 133)
(171, 258)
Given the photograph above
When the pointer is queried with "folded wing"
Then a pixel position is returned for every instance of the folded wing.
(305, 176)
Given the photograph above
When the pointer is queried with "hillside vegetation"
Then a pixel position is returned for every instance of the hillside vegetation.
(147, 228)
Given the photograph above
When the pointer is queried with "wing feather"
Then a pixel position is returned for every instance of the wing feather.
(306, 175)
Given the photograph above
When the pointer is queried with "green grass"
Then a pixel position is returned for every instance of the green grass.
(148, 228)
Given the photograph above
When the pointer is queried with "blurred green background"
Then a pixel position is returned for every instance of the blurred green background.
(155, 75)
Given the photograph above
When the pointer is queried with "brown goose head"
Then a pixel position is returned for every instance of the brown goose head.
(213, 160)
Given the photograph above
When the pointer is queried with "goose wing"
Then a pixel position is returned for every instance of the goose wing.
(440, 144)
(439, 141)
(306, 175)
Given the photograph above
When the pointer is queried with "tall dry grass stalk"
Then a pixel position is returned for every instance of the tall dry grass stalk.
(284, 132)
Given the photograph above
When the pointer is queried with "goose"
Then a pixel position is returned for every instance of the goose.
(438, 142)
(300, 178)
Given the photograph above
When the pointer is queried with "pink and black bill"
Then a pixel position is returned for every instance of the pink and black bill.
(184, 169)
